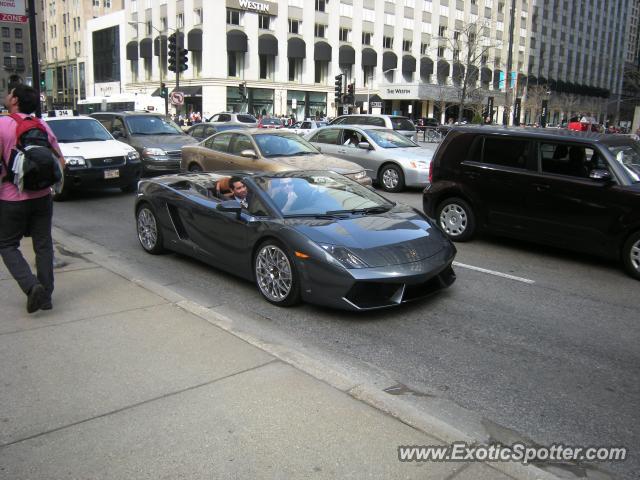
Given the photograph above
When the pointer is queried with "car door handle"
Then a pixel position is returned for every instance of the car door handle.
(541, 187)
(342, 150)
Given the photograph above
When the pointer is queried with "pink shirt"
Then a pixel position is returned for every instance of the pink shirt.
(8, 191)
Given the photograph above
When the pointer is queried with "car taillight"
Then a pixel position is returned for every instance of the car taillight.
(431, 172)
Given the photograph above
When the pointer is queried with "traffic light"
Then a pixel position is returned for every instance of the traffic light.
(164, 91)
(242, 90)
(338, 89)
(172, 52)
(183, 58)
(43, 82)
(351, 89)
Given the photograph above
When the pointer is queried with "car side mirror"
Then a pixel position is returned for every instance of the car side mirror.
(248, 153)
(600, 174)
(365, 146)
(230, 206)
(117, 134)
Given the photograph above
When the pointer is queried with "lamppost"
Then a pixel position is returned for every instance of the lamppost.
(166, 54)
(370, 79)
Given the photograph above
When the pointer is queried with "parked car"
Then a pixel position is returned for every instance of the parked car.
(308, 126)
(264, 150)
(157, 139)
(391, 159)
(271, 122)
(94, 159)
(233, 117)
(338, 244)
(204, 130)
(574, 190)
(402, 125)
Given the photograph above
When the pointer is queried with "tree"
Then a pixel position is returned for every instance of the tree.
(533, 99)
(470, 46)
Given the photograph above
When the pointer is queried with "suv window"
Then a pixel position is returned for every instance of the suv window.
(506, 152)
(105, 120)
(118, 125)
(563, 159)
(328, 135)
(224, 117)
(247, 119)
(214, 118)
(400, 123)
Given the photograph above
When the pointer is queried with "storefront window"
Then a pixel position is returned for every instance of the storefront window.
(261, 101)
(317, 105)
(235, 103)
(296, 104)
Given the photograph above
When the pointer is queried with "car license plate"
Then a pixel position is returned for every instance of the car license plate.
(111, 173)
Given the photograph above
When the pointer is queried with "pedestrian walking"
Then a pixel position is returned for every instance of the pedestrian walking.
(25, 212)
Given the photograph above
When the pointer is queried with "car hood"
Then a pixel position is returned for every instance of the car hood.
(409, 154)
(98, 149)
(397, 237)
(165, 142)
(320, 162)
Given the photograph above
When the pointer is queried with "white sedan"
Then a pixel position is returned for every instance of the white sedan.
(308, 126)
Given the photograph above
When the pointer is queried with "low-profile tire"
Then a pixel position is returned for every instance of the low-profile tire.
(148, 228)
(391, 178)
(276, 276)
(631, 255)
(455, 216)
(195, 168)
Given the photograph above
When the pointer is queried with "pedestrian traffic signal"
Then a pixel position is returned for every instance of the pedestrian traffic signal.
(172, 52)
(338, 89)
(242, 90)
(164, 91)
(183, 58)
(351, 89)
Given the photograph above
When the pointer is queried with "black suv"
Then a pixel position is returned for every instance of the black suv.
(580, 191)
(157, 139)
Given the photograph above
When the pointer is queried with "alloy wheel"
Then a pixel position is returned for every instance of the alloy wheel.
(273, 273)
(390, 178)
(453, 219)
(147, 229)
(635, 255)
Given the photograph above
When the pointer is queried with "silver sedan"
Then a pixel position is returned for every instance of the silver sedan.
(391, 159)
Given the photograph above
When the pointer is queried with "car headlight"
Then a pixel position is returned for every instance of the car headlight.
(420, 165)
(360, 175)
(346, 257)
(75, 161)
(153, 152)
(133, 156)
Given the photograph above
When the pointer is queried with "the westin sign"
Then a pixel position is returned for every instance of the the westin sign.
(258, 7)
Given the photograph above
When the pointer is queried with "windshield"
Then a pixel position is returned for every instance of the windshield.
(247, 119)
(390, 139)
(629, 157)
(320, 193)
(151, 125)
(400, 123)
(79, 130)
(271, 121)
(286, 145)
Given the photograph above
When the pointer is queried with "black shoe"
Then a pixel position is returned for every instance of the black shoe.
(47, 306)
(37, 297)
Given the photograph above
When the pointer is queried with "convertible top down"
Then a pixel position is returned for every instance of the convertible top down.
(315, 236)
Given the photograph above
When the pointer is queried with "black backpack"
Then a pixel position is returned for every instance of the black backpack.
(40, 165)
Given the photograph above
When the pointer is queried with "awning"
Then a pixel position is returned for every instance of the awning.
(322, 52)
(158, 43)
(267, 45)
(443, 68)
(485, 75)
(369, 57)
(389, 61)
(189, 90)
(426, 66)
(346, 55)
(146, 48)
(194, 40)
(296, 48)
(236, 41)
(408, 64)
(132, 50)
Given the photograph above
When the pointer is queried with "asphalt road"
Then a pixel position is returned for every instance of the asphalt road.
(541, 341)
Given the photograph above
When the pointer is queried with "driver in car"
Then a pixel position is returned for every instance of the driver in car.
(239, 191)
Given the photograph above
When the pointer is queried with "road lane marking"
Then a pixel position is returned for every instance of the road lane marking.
(493, 272)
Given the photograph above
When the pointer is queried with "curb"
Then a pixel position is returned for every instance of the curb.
(367, 393)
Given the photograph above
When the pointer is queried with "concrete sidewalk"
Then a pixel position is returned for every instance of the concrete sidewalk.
(123, 380)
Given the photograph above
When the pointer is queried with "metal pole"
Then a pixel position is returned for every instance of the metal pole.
(507, 85)
(35, 65)
(179, 47)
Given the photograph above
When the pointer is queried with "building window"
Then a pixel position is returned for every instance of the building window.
(6, 47)
(267, 66)
(180, 20)
(406, 45)
(387, 42)
(235, 61)
(424, 48)
(233, 17)
(456, 54)
(367, 75)
(5, 32)
(442, 30)
(264, 21)
(163, 23)
(320, 30)
(107, 3)
(96, 3)
(295, 25)
(456, 35)
(149, 28)
(345, 35)
(440, 52)
(134, 70)
(7, 62)
(321, 5)
(197, 16)
(196, 62)
(321, 72)
(295, 70)
(366, 38)
(147, 69)
(18, 33)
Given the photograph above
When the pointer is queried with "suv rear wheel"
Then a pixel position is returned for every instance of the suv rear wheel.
(457, 219)
(631, 255)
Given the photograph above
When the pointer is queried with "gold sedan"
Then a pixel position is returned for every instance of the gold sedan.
(263, 150)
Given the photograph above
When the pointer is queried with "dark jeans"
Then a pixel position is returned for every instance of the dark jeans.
(19, 219)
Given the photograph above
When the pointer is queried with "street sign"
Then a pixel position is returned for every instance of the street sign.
(345, 110)
(376, 104)
(294, 103)
(177, 98)
(13, 11)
